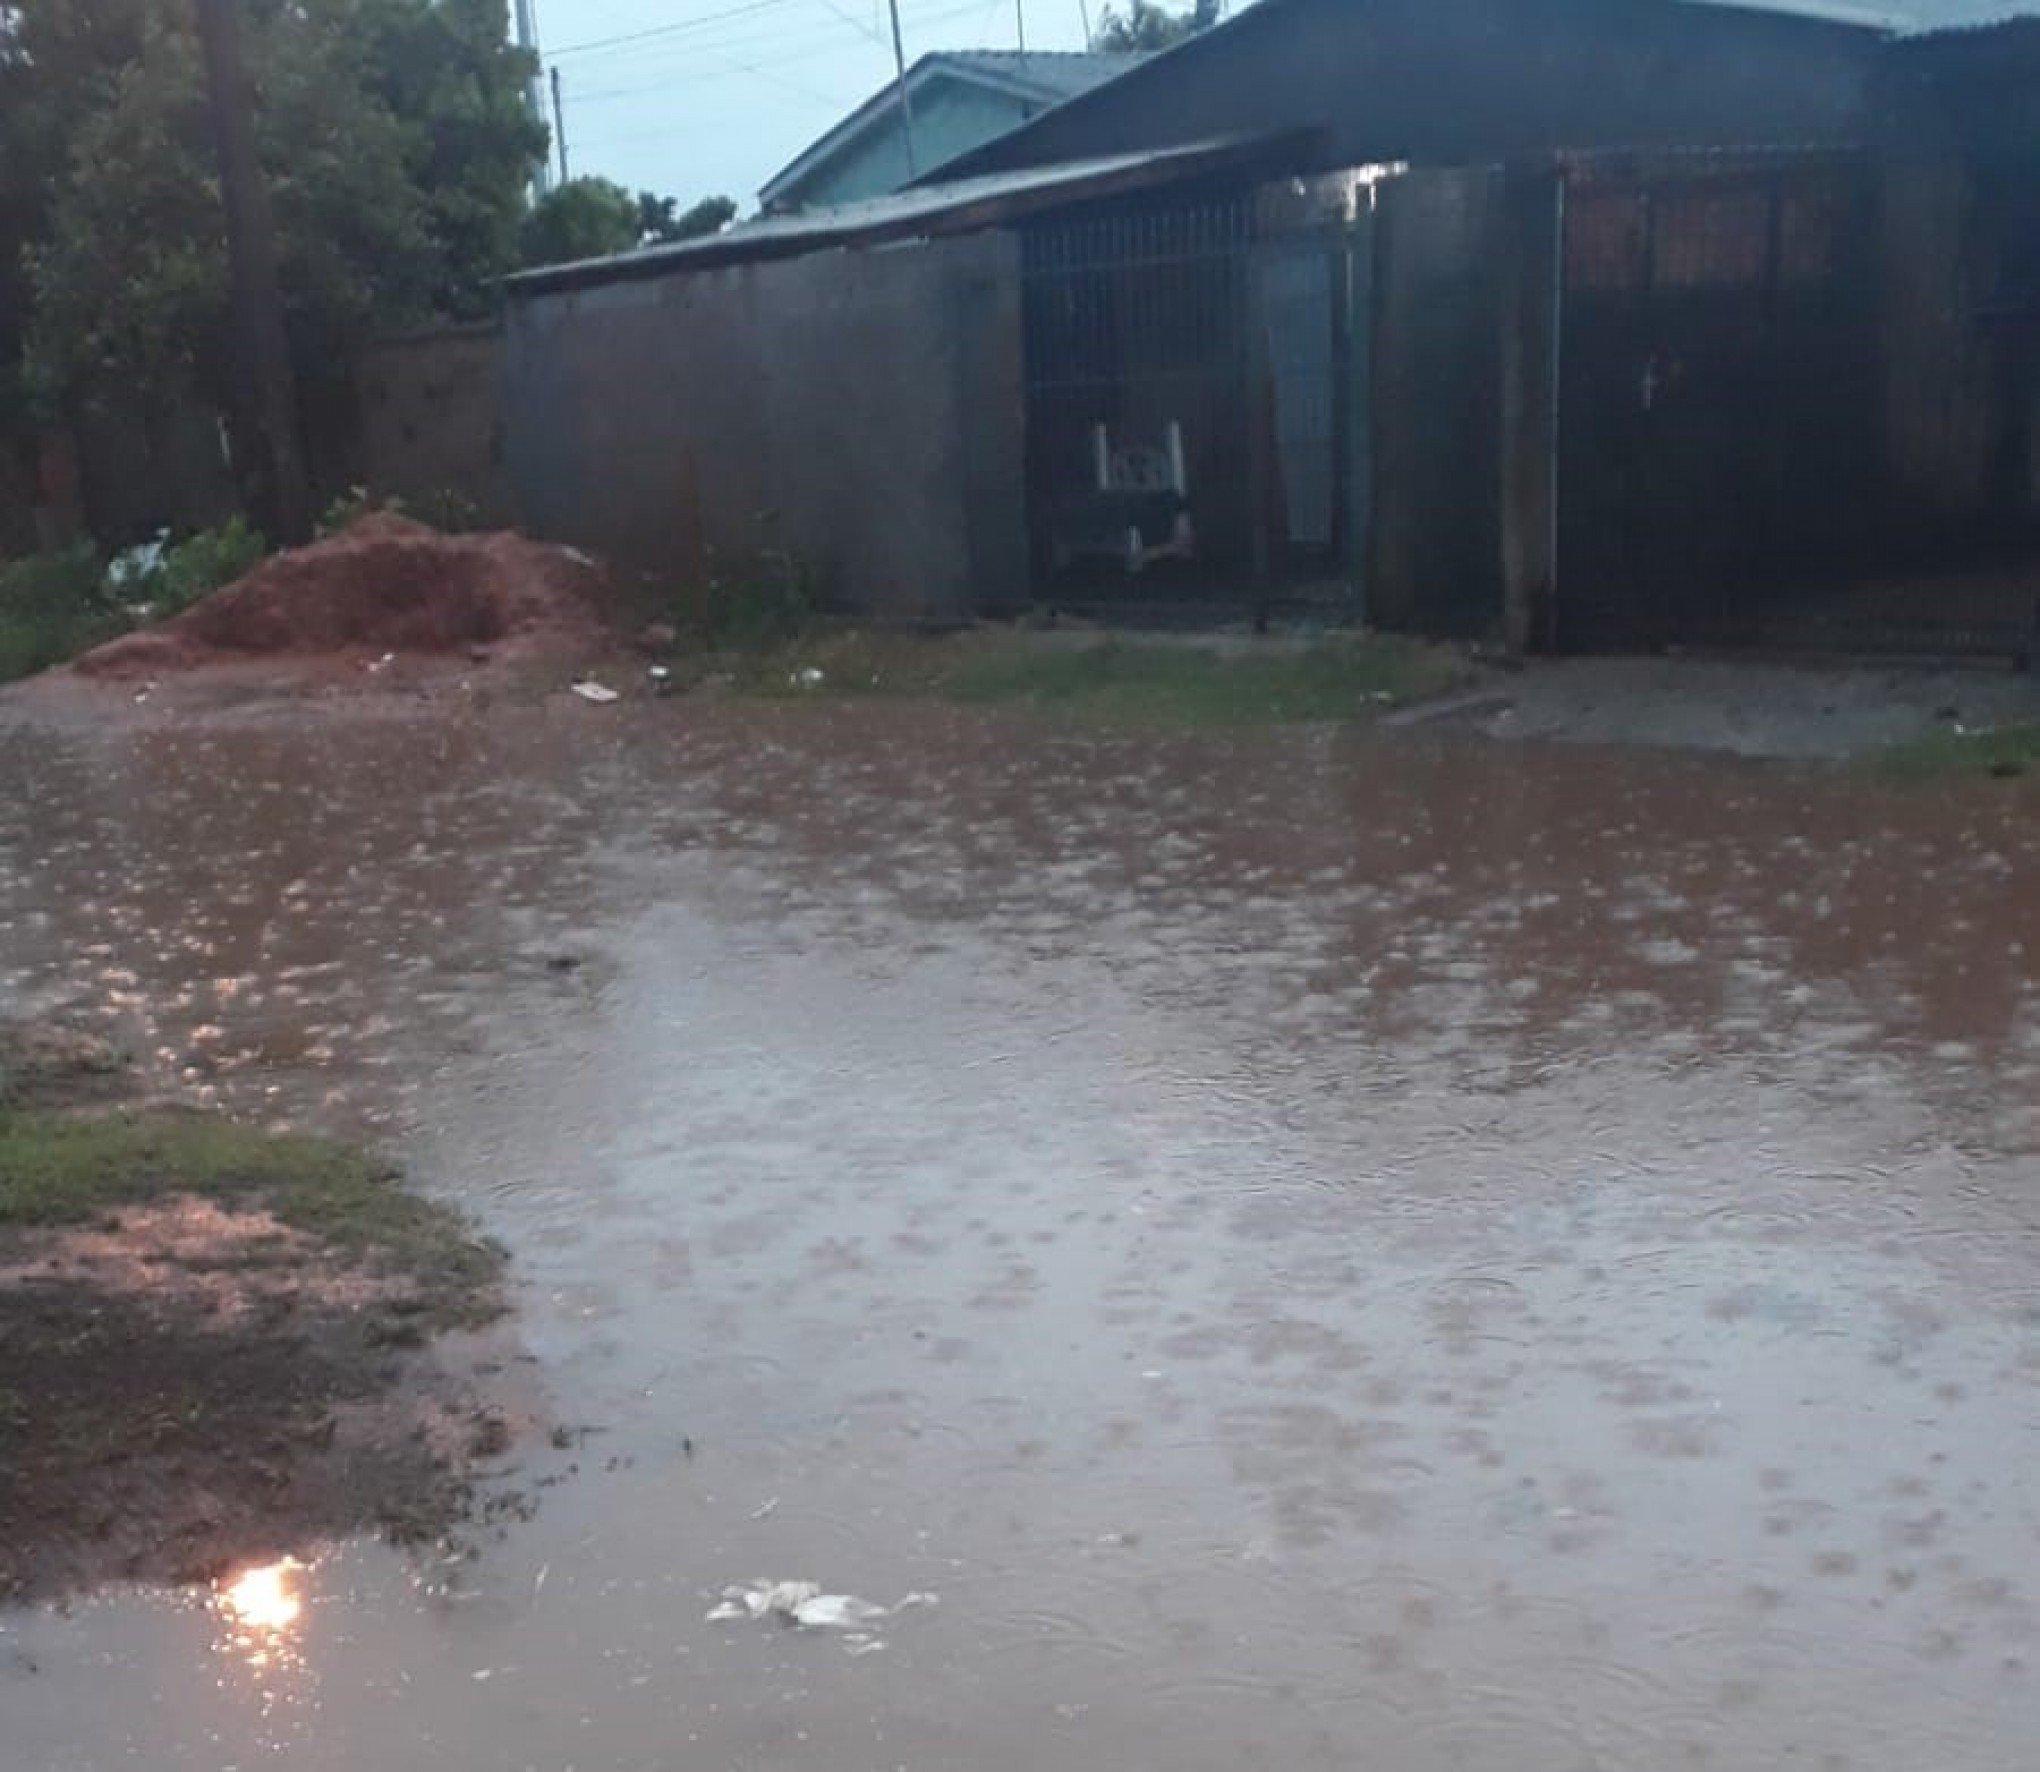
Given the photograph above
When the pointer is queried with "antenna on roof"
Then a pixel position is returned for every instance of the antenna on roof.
(899, 57)
(1020, 22)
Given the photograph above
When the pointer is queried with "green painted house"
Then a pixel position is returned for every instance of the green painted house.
(959, 100)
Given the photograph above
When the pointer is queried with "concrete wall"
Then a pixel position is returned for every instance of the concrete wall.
(860, 410)
(950, 118)
(1456, 82)
(429, 417)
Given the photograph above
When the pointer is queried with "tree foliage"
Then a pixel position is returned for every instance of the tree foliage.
(595, 218)
(393, 134)
(659, 226)
(583, 218)
(1146, 26)
(444, 70)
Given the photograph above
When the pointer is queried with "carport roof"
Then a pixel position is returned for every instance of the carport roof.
(956, 207)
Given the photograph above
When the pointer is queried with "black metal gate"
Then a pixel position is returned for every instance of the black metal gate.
(1189, 391)
(1718, 395)
(1134, 327)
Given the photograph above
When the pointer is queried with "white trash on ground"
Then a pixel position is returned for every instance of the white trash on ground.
(590, 690)
(803, 1604)
(137, 565)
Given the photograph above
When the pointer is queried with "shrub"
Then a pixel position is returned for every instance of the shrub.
(52, 606)
(443, 509)
(200, 564)
(348, 509)
(759, 601)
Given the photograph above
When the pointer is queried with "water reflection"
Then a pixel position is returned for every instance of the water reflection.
(260, 1611)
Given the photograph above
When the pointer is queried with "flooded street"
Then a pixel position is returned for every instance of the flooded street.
(1319, 1252)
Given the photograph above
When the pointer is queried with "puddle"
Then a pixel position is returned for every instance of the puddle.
(1321, 1252)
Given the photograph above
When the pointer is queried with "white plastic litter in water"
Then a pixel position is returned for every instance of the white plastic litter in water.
(590, 690)
(803, 1604)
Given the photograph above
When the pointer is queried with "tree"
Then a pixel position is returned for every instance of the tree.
(583, 218)
(659, 226)
(446, 71)
(56, 62)
(1146, 25)
(128, 281)
(393, 135)
(594, 218)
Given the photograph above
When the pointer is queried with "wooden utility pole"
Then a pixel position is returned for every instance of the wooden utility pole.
(261, 346)
(559, 123)
(524, 20)
(899, 57)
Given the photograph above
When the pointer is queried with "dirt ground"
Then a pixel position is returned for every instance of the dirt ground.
(191, 1383)
(381, 590)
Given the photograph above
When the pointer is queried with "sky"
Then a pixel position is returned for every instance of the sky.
(690, 98)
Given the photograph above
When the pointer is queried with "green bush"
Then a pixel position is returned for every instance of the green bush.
(348, 508)
(52, 607)
(200, 564)
(443, 509)
(759, 601)
(56, 605)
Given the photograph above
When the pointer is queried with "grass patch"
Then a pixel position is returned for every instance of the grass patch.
(2005, 752)
(1146, 681)
(1341, 679)
(201, 1334)
(58, 1169)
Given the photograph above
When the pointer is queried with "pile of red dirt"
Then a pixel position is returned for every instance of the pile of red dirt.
(383, 585)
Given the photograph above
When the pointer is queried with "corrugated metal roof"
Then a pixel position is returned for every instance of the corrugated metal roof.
(1901, 17)
(960, 206)
(1923, 17)
(1052, 73)
(1893, 17)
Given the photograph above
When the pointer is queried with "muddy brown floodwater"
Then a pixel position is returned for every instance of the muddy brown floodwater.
(1321, 1253)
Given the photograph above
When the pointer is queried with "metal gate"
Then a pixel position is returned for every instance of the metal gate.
(1189, 390)
(1718, 394)
(1134, 329)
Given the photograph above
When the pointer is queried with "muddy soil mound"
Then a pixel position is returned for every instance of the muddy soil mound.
(383, 585)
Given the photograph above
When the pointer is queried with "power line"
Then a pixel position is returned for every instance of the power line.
(695, 76)
(672, 40)
(856, 23)
(674, 29)
(682, 61)
(728, 53)
(761, 69)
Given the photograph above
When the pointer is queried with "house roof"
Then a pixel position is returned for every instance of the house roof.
(922, 211)
(1039, 77)
(1051, 74)
(1890, 18)
(1898, 17)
